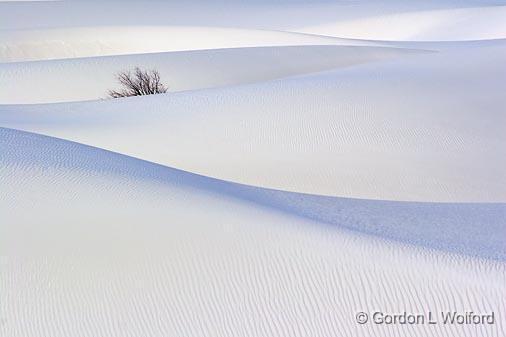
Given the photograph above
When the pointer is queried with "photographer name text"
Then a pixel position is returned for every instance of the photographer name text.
(429, 317)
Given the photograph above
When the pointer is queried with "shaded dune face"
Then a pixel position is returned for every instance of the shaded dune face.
(310, 162)
(407, 222)
(199, 249)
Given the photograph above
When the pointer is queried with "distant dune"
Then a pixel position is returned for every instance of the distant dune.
(59, 43)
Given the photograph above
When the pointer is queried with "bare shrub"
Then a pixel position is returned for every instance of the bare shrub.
(137, 83)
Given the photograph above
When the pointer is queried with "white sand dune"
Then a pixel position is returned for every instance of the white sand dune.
(91, 78)
(60, 43)
(378, 20)
(454, 24)
(70, 30)
(128, 255)
(311, 161)
(79, 79)
(385, 130)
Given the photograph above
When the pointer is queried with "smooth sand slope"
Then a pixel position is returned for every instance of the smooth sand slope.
(111, 245)
(455, 24)
(90, 78)
(448, 20)
(419, 128)
(352, 157)
(55, 30)
(61, 43)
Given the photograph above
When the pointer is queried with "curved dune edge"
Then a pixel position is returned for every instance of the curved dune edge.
(466, 228)
(80, 79)
(100, 232)
(383, 130)
(74, 42)
(447, 20)
(91, 78)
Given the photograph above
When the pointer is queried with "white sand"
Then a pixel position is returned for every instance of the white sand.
(401, 144)
(381, 130)
(60, 43)
(107, 244)
(186, 70)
